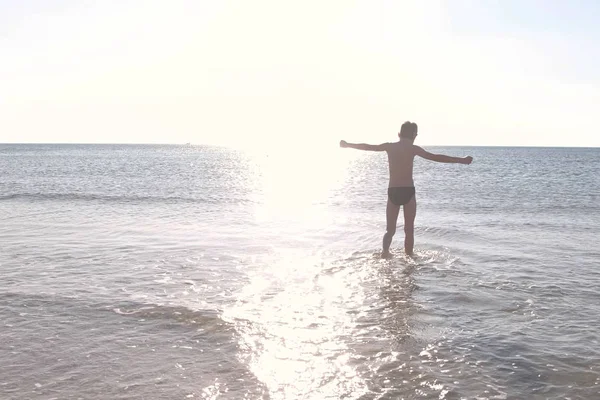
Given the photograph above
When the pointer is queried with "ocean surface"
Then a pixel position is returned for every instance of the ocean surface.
(193, 272)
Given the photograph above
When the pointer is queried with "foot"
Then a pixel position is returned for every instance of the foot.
(386, 254)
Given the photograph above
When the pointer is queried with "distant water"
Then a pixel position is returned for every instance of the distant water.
(177, 272)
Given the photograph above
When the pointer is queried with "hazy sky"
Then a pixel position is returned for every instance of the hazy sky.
(472, 72)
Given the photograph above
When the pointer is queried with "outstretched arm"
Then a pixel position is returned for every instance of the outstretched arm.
(441, 157)
(364, 146)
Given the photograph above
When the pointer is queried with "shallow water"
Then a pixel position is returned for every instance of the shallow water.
(201, 272)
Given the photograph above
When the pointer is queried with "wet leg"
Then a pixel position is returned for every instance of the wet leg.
(391, 213)
(410, 212)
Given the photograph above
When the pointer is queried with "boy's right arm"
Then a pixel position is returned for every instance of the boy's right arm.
(441, 157)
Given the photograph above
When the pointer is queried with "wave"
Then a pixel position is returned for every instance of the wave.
(122, 198)
(173, 313)
(74, 305)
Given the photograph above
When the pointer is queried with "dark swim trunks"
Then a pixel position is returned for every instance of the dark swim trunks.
(401, 195)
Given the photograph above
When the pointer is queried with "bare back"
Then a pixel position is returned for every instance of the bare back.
(400, 159)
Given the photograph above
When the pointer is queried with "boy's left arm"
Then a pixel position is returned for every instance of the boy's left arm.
(364, 146)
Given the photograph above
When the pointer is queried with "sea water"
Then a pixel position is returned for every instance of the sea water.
(176, 272)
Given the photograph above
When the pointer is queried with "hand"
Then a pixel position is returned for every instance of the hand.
(343, 143)
(467, 160)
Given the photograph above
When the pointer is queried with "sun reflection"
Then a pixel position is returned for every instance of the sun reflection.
(297, 184)
(294, 330)
(319, 328)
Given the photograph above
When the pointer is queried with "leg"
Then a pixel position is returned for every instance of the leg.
(391, 214)
(410, 211)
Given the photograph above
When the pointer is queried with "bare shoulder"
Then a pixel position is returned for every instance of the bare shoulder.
(417, 150)
(387, 146)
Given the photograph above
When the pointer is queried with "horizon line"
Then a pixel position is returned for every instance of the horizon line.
(233, 146)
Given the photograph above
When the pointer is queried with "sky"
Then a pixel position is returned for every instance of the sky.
(273, 73)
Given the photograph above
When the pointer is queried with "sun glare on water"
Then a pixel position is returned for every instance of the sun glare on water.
(291, 316)
(291, 329)
(297, 184)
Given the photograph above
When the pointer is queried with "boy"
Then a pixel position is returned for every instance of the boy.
(401, 188)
